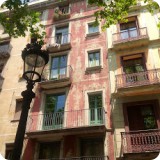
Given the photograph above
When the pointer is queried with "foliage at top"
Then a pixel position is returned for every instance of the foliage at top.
(114, 11)
(19, 19)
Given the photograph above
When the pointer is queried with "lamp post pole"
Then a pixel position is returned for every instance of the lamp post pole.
(35, 60)
(27, 95)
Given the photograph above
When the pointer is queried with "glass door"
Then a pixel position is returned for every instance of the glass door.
(54, 111)
(95, 107)
(62, 35)
(132, 69)
(128, 30)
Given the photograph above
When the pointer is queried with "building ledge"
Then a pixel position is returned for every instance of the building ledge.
(68, 131)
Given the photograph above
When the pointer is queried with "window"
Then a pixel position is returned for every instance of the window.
(18, 110)
(49, 150)
(92, 147)
(94, 59)
(129, 29)
(95, 107)
(9, 149)
(5, 49)
(62, 35)
(59, 67)
(134, 64)
(92, 28)
(54, 111)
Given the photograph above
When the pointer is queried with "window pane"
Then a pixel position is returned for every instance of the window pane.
(95, 101)
(60, 103)
(97, 59)
(133, 32)
(94, 59)
(58, 67)
(92, 28)
(91, 60)
(133, 65)
(55, 103)
(148, 117)
(55, 62)
(50, 104)
(128, 30)
(62, 35)
(63, 61)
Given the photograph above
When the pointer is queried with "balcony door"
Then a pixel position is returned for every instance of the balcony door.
(59, 67)
(134, 68)
(95, 109)
(62, 35)
(141, 115)
(128, 30)
(141, 120)
(54, 111)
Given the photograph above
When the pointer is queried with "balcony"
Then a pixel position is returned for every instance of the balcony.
(5, 50)
(81, 158)
(130, 38)
(61, 13)
(59, 43)
(138, 79)
(143, 141)
(74, 119)
(56, 77)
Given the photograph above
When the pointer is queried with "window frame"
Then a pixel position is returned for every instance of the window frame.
(51, 63)
(100, 66)
(88, 34)
(56, 95)
(92, 92)
(57, 54)
(17, 115)
(62, 38)
(130, 20)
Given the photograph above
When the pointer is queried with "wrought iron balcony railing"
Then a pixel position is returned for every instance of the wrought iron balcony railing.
(57, 73)
(58, 40)
(141, 141)
(129, 35)
(80, 158)
(66, 119)
(138, 79)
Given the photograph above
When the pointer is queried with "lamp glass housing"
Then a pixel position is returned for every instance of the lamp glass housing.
(35, 60)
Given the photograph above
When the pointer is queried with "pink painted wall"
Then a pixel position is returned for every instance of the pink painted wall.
(81, 80)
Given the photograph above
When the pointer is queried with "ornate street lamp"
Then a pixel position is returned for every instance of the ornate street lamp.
(35, 60)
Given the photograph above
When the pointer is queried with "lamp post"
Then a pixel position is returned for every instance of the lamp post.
(35, 60)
